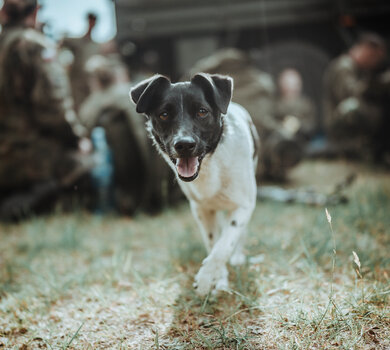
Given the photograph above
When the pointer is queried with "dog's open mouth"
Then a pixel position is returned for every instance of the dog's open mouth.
(188, 167)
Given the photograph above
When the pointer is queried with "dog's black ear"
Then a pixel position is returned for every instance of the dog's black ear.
(218, 88)
(144, 93)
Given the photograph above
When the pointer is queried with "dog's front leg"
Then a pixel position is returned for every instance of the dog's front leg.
(207, 222)
(213, 273)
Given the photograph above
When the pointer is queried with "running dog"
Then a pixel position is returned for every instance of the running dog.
(211, 145)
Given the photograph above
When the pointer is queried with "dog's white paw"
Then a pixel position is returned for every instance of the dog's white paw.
(211, 276)
(222, 284)
(238, 258)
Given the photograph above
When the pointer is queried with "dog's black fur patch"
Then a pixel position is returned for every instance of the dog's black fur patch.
(182, 106)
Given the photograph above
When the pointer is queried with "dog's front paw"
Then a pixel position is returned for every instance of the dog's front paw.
(211, 276)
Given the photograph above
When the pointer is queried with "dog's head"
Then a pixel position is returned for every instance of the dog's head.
(185, 119)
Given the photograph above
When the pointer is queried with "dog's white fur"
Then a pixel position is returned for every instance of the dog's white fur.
(223, 197)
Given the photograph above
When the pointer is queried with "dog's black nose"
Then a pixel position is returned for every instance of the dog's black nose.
(185, 145)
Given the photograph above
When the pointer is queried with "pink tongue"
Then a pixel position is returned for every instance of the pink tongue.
(187, 167)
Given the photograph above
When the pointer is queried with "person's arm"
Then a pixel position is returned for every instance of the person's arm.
(52, 101)
(346, 84)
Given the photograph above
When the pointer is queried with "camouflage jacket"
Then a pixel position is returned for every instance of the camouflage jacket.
(349, 110)
(80, 50)
(37, 121)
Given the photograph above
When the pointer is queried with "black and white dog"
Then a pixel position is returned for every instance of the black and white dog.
(211, 145)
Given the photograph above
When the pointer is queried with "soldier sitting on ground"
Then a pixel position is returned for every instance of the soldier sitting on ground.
(141, 177)
(294, 110)
(39, 133)
(353, 110)
(255, 90)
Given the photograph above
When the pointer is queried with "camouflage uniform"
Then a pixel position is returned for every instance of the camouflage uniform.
(80, 49)
(302, 110)
(142, 179)
(352, 114)
(36, 115)
(255, 90)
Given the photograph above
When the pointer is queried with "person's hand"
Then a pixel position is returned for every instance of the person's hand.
(85, 145)
(347, 108)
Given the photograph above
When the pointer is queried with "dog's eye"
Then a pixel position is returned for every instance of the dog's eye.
(202, 113)
(163, 116)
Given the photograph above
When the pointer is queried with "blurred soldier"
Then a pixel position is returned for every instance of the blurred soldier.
(352, 104)
(36, 115)
(382, 144)
(294, 110)
(75, 52)
(140, 175)
(255, 90)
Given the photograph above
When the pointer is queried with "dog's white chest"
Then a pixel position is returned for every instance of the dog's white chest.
(212, 188)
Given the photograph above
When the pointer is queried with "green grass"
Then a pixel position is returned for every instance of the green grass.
(85, 282)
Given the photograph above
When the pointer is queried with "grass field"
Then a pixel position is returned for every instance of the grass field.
(85, 282)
